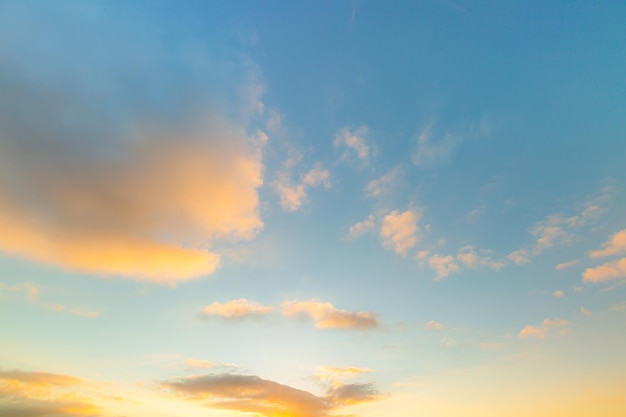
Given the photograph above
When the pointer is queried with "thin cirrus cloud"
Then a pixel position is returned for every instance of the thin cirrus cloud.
(122, 196)
(530, 331)
(42, 394)
(333, 373)
(360, 228)
(252, 394)
(611, 270)
(33, 295)
(399, 231)
(326, 316)
(235, 309)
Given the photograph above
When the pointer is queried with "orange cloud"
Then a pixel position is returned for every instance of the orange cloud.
(293, 196)
(332, 373)
(235, 309)
(616, 245)
(147, 207)
(606, 272)
(251, 394)
(399, 230)
(326, 316)
(355, 140)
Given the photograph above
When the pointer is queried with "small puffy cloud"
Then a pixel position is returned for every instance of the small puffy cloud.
(383, 185)
(470, 258)
(585, 311)
(251, 394)
(546, 326)
(433, 325)
(616, 245)
(399, 231)
(326, 316)
(519, 257)
(564, 265)
(443, 265)
(293, 196)
(361, 228)
(354, 139)
(606, 272)
(235, 309)
(558, 293)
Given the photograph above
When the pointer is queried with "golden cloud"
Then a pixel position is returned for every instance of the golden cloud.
(235, 309)
(399, 230)
(326, 316)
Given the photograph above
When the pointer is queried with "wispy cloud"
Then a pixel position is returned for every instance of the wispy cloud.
(251, 394)
(361, 228)
(235, 309)
(383, 185)
(433, 325)
(354, 140)
(333, 373)
(326, 316)
(399, 231)
(564, 265)
(294, 195)
(546, 326)
(33, 295)
(558, 293)
(193, 364)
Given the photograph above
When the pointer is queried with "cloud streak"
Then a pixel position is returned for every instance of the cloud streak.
(235, 309)
(326, 316)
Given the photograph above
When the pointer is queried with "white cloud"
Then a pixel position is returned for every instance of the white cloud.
(235, 309)
(399, 230)
(355, 140)
(326, 316)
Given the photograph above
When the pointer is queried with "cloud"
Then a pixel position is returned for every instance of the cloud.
(545, 327)
(33, 295)
(558, 293)
(565, 265)
(144, 201)
(42, 394)
(235, 309)
(354, 139)
(293, 196)
(326, 316)
(399, 230)
(251, 394)
(433, 325)
(606, 272)
(382, 186)
(616, 245)
(332, 373)
(443, 265)
(585, 311)
(361, 228)
(193, 364)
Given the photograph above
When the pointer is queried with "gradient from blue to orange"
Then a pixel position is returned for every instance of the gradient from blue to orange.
(311, 209)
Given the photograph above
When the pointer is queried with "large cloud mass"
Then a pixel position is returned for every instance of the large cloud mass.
(121, 175)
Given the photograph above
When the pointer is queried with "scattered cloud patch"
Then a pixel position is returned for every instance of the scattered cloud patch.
(294, 196)
(585, 311)
(251, 394)
(443, 265)
(354, 140)
(546, 326)
(235, 309)
(566, 265)
(193, 364)
(605, 272)
(326, 316)
(558, 293)
(332, 373)
(399, 231)
(360, 228)
(616, 245)
(382, 186)
(433, 325)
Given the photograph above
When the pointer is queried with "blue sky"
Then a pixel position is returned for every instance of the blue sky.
(309, 209)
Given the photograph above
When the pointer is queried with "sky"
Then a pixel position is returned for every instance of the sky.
(312, 209)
